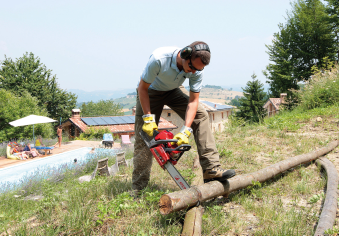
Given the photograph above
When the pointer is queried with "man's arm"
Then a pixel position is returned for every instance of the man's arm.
(143, 96)
(191, 108)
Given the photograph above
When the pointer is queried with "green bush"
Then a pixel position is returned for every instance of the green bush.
(13, 107)
(93, 133)
(322, 90)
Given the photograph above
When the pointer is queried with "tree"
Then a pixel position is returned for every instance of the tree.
(251, 105)
(13, 107)
(27, 73)
(332, 9)
(280, 73)
(303, 42)
(101, 108)
(235, 101)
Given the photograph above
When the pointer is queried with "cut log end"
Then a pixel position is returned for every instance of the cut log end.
(165, 205)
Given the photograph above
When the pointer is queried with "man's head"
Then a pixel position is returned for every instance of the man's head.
(198, 59)
(204, 55)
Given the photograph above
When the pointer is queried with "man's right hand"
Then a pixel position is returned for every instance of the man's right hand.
(149, 124)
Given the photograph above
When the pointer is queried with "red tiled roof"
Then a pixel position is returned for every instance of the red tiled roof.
(163, 124)
(275, 102)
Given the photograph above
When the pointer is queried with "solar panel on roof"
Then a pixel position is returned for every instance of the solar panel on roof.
(133, 119)
(109, 120)
(112, 120)
(118, 120)
(89, 121)
(99, 121)
(218, 106)
(126, 119)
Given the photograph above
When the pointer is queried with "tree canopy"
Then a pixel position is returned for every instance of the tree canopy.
(13, 107)
(101, 108)
(251, 105)
(28, 74)
(332, 9)
(304, 41)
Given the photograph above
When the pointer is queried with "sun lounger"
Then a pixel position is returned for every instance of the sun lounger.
(46, 149)
(107, 140)
(125, 140)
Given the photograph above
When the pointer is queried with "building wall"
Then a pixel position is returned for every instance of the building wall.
(174, 118)
(271, 111)
(217, 120)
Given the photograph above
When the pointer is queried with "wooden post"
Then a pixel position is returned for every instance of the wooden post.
(189, 197)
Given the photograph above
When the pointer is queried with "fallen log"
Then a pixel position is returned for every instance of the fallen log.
(328, 213)
(186, 198)
(193, 217)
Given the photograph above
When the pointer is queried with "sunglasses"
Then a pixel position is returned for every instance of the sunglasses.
(192, 67)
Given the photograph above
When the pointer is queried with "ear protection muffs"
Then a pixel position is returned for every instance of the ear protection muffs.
(186, 52)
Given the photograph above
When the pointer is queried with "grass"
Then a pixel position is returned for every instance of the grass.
(288, 204)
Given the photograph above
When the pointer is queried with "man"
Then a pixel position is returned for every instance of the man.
(59, 136)
(161, 84)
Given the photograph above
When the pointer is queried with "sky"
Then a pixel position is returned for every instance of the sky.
(105, 45)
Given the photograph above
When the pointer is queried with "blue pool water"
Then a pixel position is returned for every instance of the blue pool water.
(12, 175)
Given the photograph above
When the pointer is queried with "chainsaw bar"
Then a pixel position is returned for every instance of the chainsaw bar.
(176, 176)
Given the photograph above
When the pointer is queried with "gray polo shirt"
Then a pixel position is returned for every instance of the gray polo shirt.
(163, 74)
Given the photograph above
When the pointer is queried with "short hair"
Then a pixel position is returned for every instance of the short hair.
(205, 56)
(60, 126)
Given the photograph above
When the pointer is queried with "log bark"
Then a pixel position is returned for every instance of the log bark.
(186, 198)
(329, 210)
(193, 217)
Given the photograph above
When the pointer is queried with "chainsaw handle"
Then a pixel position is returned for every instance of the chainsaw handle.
(162, 141)
(181, 148)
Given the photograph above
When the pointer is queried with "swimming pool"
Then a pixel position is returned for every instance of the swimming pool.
(16, 174)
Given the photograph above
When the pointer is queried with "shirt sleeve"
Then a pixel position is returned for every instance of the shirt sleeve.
(151, 70)
(195, 82)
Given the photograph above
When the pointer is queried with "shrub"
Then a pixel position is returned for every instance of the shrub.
(94, 133)
(322, 90)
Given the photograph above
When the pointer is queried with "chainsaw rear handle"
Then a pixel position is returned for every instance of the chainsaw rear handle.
(152, 143)
(181, 148)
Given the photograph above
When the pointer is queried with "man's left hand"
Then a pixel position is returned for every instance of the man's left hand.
(183, 136)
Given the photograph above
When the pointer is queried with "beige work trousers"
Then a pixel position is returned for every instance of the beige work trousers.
(177, 100)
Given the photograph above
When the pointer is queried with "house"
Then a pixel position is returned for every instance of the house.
(218, 115)
(272, 105)
(118, 125)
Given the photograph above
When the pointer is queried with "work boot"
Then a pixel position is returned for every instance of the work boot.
(218, 173)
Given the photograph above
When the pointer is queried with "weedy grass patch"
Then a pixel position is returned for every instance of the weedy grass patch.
(288, 204)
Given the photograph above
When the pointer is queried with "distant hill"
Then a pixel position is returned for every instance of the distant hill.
(219, 93)
(126, 97)
(84, 96)
(238, 87)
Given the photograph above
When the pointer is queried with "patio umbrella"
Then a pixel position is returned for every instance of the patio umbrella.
(31, 120)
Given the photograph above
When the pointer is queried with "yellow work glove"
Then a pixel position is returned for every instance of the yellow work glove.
(183, 136)
(149, 124)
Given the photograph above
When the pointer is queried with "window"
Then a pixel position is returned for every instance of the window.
(213, 116)
(222, 115)
(168, 114)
